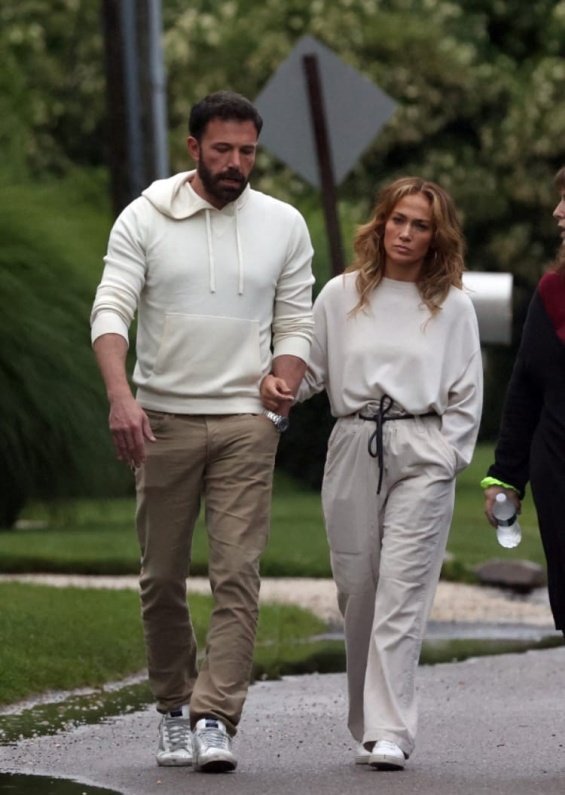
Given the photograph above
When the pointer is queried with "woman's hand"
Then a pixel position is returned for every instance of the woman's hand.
(490, 497)
(275, 394)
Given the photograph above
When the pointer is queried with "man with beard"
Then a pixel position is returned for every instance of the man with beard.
(220, 276)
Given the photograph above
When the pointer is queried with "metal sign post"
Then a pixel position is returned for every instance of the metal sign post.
(329, 194)
(135, 79)
(312, 123)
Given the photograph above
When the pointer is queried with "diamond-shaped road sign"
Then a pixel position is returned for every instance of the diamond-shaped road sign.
(355, 108)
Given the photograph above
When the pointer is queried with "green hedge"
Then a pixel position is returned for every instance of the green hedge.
(52, 406)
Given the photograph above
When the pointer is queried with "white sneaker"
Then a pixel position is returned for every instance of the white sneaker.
(175, 739)
(362, 755)
(212, 747)
(387, 756)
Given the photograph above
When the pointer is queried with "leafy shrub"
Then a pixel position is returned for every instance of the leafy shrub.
(53, 438)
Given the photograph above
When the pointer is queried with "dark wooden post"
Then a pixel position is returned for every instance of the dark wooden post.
(329, 195)
(116, 120)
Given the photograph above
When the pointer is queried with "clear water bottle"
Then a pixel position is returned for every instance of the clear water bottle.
(508, 531)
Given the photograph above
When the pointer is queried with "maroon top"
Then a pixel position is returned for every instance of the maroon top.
(552, 291)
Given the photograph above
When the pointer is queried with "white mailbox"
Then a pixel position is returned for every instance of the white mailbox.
(491, 294)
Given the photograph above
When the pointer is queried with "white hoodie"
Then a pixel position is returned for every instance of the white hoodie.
(215, 290)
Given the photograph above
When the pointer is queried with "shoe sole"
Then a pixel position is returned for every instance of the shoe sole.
(362, 759)
(216, 766)
(174, 762)
(383, 762)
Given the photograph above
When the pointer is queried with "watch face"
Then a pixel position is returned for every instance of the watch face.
(280, 423)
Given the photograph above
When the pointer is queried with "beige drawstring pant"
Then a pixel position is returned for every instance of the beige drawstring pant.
(228, 460)
(386, 554)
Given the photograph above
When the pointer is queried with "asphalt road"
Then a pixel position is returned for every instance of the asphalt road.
(487, 725)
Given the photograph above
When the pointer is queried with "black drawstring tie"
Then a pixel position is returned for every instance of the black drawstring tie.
(375, 446)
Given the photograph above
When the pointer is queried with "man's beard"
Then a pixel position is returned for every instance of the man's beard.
(213, 186)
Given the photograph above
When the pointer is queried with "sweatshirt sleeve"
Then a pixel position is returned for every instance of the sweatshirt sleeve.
(460, 421)
(464, 385)
(292, 316)
(520, 416)
(123, 277)
(315, 378)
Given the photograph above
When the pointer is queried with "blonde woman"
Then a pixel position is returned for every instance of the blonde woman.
(396, 347)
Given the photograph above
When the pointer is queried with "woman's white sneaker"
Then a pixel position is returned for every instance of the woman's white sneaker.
(362, 755)
(387, 756)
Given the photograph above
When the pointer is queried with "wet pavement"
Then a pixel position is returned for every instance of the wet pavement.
(487, 725)
(14, 784)
(67, 712)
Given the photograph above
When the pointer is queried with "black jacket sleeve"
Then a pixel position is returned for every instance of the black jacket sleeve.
(523, 404)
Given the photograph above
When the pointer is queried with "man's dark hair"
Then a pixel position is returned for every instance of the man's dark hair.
(225, 105)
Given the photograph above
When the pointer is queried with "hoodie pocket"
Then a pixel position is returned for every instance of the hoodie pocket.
(204, 356)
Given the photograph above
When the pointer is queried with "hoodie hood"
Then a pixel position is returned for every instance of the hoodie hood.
(175, 198)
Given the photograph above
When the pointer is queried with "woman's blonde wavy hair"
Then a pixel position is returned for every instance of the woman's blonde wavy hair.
(444, 262)
(560, 185)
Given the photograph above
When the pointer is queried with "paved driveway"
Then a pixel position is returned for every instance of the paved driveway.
(488, 725)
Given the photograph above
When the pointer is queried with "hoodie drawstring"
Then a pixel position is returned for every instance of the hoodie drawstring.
(211, 265)
(239, 256)
(211, 262)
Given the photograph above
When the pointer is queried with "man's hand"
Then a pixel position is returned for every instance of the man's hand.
(275, 394)
(129, 426)
(128, 422)
(279, 388)
(490, 497)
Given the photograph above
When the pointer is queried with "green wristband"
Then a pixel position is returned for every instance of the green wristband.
(488, 482)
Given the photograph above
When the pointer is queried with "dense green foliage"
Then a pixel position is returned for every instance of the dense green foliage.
(479, 87)
(478, 84)
(52, 406)
(53, 85)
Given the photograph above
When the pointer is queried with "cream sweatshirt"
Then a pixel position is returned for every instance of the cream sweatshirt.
(218, 294)
(396, 347)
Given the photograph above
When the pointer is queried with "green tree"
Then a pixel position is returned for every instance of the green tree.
(479, 87)
(52, 75)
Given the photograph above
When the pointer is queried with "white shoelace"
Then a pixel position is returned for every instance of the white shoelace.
(214, 737)
(177, 733)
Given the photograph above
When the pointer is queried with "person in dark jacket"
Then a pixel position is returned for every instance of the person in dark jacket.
(531, 445)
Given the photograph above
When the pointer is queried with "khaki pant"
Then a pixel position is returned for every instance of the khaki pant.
(386, 553)
(228, 460)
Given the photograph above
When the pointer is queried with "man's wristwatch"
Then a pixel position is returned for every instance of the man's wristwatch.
(281, 423)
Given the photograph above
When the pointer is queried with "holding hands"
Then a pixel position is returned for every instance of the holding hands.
(276, 395)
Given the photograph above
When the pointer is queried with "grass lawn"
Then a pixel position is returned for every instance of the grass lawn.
(66, 639)
(60, 639)
(97, 537)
